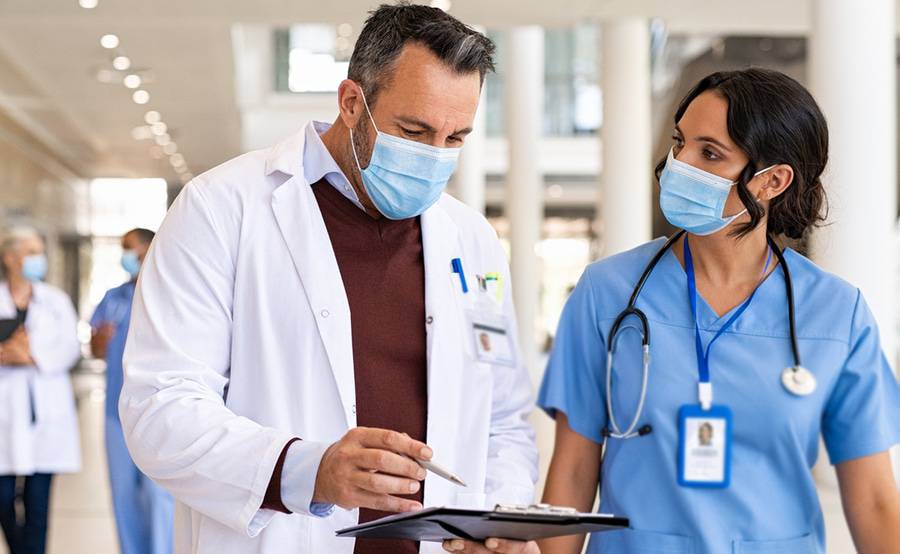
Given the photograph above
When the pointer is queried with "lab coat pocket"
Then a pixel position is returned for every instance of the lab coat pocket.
(800, 545)
(633, 541)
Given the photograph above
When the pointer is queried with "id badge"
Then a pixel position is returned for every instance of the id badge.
(490, 336)
(704, 446)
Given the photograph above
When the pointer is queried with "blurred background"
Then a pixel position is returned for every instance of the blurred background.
(108, 107)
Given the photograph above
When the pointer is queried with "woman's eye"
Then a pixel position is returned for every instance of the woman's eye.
(709, 154)
(678, 140)
(454, 140)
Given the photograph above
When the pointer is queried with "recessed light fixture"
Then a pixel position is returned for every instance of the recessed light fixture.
(121, 63)
(140, 96)
(109, 41)
(170, 148)
(159, 128)
(132, 81)
(163, 140)
(88, 4)
(152, 117)
(177, 160)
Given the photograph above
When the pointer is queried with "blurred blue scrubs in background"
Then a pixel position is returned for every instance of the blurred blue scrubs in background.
(144, 511)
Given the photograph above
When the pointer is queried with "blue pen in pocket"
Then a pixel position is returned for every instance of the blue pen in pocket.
(456, 263)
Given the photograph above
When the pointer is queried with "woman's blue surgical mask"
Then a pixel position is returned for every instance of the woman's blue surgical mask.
(34, 267)
(404, 177)
(693, 199)
(130, 262)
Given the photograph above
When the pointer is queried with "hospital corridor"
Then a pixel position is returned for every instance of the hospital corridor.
(426, 276)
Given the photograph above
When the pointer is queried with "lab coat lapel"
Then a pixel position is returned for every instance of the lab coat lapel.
(444, 308)
(304, 232)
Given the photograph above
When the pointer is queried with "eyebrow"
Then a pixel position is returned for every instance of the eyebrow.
(710, 140)
(429, 128)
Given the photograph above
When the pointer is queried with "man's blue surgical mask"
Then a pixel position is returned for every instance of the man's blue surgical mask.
(130, 262)
(34, 267)
(693, 199)
(404, 177)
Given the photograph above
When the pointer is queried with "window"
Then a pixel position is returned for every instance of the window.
(312, 58)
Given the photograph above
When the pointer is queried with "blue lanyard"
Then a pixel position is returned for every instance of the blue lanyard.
(703, 355)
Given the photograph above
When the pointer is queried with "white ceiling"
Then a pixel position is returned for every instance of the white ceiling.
(49, 53)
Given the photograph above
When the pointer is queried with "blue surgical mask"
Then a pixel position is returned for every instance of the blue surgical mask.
(404, 177)
(693, 199)
(130, 262)
(34, 267)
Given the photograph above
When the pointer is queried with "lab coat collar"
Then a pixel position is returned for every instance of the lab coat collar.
(287, 156)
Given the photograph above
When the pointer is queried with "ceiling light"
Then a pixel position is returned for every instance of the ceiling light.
(159, 128)
(441, 4)
(344, 30)
(163, 140)
(121, 63)
(177, 160)
(152, 117)
(132, 81)
(170, 148)
(141, 132)
(109, 41)
(140, 96)
(88, 4)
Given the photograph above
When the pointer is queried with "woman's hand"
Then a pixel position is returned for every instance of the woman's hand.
(492, 545)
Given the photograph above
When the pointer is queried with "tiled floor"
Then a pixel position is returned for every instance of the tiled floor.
(81, 519)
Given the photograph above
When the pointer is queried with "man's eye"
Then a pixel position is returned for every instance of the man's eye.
(410, 132)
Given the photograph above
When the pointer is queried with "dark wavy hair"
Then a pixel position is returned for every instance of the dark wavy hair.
(774, 120)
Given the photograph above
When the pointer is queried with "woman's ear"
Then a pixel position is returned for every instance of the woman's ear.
(779, 178)
(350, 103)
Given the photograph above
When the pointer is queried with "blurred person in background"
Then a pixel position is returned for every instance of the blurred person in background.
(144, 511)
(38, 425)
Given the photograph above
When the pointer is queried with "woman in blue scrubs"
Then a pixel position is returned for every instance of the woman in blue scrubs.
(719, 458)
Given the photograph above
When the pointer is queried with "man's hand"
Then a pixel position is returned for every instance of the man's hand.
(100, 339)
(17, 350)
(492, 545)
(367, 467)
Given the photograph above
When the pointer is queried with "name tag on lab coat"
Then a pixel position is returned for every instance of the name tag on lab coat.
(704, 446)
(490, 335)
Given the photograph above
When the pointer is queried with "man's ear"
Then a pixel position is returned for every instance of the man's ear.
(350, 103)
(780, 178)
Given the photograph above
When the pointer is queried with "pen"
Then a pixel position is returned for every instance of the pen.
(456, 263)
(441, 472)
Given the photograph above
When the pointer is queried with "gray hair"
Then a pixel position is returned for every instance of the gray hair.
(390, 27)
(11, 239)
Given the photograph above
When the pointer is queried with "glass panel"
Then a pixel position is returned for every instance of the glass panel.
(311, 57)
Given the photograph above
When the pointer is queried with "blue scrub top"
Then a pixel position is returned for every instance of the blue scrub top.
(771, 504)
(115, 308)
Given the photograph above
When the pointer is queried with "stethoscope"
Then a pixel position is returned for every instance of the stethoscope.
(796, 379)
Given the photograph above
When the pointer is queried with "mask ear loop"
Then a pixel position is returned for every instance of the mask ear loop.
(372, 119)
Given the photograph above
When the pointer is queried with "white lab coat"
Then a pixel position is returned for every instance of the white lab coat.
(240, 340)
(50, 443)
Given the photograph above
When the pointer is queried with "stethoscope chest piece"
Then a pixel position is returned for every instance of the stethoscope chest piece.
(798, 381)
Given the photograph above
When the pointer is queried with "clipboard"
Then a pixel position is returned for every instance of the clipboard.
(523, 523)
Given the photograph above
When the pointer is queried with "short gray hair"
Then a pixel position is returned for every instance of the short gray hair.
(390, 27)
(11, 239)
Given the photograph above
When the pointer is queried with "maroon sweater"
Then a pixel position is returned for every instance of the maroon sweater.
(383, 270)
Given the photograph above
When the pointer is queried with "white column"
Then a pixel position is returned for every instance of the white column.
(853, 74)
(524, 100)
(469, 177)
(625, 198)
(524, 201)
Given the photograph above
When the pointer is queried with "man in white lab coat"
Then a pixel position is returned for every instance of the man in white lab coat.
(308, 315)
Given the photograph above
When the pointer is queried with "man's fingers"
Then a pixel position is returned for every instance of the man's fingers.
(390, 463)
(505, 546)
(386, 503)
(384, 484)
(395, 442)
